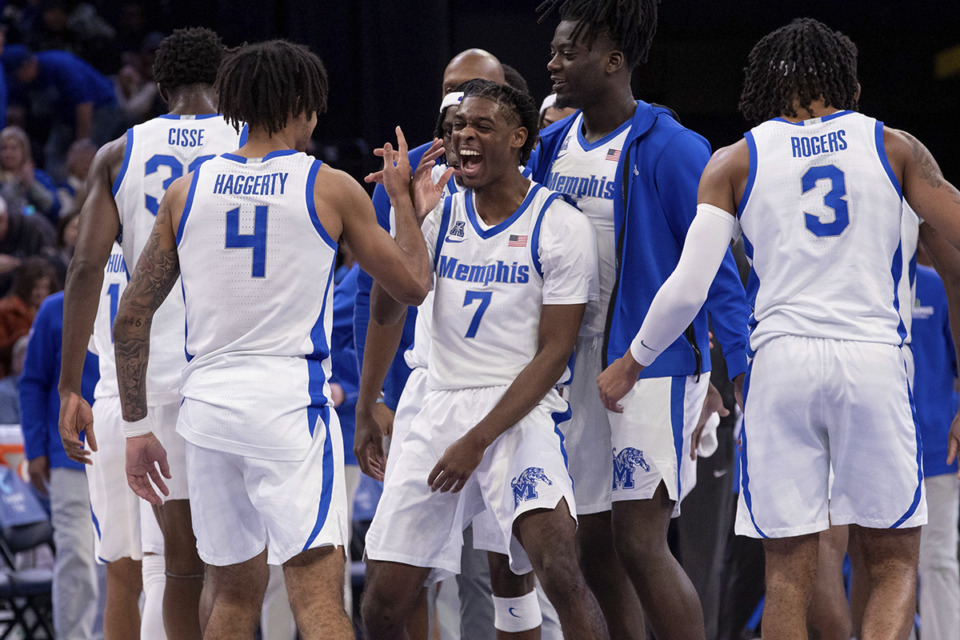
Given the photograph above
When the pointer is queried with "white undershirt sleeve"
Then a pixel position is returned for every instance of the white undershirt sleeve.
(681, 296)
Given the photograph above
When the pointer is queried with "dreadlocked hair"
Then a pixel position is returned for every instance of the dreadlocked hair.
(186, 57)
(519, 105)
(630, 24)
(795, 65)
(267, 83)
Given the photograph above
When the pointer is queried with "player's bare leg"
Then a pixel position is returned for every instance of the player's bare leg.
(418, 626)
(391, 592)
(791, 573)
(669, 599)
(607, 578)
(185, 571)
(859, 582)
(121, 613)
(549, 538)
(237, 594)
(314, 581)
(891, 557)
(828, 617)
(506, 584)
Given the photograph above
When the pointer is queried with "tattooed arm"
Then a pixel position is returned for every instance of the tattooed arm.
(157, 270)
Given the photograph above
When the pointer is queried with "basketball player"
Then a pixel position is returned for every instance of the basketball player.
(817, 190)
(254, 233)
(128, 179)
(633, 170)
(500, 368)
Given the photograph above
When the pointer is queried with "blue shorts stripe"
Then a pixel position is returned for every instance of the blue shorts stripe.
(744, 476)
(326, 491)
(678, 386)
(919, 492)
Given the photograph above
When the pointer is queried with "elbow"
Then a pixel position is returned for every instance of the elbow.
(415, 294)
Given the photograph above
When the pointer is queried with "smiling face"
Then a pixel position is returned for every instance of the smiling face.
(487, 138)
(578, 72)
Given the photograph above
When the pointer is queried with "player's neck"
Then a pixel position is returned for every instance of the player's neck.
(193, 102)
(816, 109)
(260, 143)
(497, 201)
(607, 112)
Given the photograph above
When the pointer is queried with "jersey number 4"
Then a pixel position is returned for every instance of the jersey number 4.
(256, 240)
(176, 170)
(833, 199)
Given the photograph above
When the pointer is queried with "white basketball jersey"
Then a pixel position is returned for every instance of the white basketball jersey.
(491, 282)
(256, 267)
(158, 152)
(822, 219)
(418, 355)
(585, 173)
(115, 279)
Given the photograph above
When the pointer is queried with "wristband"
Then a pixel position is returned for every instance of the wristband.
(141, 427)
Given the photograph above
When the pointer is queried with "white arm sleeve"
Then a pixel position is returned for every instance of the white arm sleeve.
(681, 296)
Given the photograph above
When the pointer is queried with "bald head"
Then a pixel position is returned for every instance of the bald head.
(470, 64)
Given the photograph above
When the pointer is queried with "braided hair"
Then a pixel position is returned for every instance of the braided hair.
(519, 108)
(630, 24)
(803, 61)
(267, 83)
(186, 57)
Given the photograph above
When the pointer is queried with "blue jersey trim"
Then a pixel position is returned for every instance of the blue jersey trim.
(442, 231)
(244, 134)
(590, 146)
(678, 387)
(270, 156)
(884, 160)
(825, 118)
(186, 331)
(321, 352)
(919, 492)
(96, 523)
(188, 205)
(200, 116)
(312, 204)
(452, 187)
(326, 491)
(535, 240)
(744, 476)
(126, 162)
(751, 176)
(896, 271)
(494, 230)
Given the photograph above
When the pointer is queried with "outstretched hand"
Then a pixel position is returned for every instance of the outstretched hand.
(145, 455)
(76, 417)
(395, 176)
(425, 192)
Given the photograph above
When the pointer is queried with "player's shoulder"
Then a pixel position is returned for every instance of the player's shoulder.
(563, 218)
(336, 187)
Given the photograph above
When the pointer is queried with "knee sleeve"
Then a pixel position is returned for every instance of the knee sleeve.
(514, 615)
(154, 580)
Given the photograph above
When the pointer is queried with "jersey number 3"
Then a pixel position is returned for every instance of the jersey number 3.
(833, 199)
(256, 240)
(176, 170)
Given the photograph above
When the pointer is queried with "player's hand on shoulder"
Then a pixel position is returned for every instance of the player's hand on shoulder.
(146, 461)
(76, 417)
(457, 463)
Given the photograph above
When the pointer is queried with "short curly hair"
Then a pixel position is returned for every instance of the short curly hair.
(187, 57)
(520, 106)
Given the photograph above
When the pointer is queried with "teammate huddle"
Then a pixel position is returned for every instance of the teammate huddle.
(597, 248)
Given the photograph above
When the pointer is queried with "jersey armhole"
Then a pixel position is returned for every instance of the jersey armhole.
(884, 160)
(535, 240)
(188, 205)
(128, 151)
(442, 229)
(751, 174)
(312, 204)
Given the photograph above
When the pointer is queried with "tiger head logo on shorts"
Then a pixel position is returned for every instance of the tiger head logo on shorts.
(525, 485)
(624, 465)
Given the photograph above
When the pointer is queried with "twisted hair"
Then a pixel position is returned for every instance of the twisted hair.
(519, 108)
(188, 56)
(266, 83)
(795, 65)
(630, 24)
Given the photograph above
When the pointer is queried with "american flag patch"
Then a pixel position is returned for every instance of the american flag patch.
(613, 155)
(517, 241)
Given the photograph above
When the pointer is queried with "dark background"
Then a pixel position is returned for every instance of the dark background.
(386, 58)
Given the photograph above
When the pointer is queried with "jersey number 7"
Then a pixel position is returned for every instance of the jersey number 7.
(484, 298)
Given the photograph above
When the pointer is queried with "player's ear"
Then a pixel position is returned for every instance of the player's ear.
(615, 61)
(856, 94)
(519, 137)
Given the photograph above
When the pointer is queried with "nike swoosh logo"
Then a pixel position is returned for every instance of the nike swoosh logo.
(512, 613)
(643, 344)
(719, 473)
(454, 241)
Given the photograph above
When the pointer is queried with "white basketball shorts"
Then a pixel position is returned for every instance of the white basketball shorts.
(523, 470)
(241, 505)
(811, 403)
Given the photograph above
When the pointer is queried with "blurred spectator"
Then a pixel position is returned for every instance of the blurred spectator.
(22, 185)
(20, 237)
(72, 192)
(75, 584)
(59, 257)
(550, 113)
(3, 82)
(75, 27)
(135, 94)
(515, 79)
(33, 281)
(61, 90)
(10, 385)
